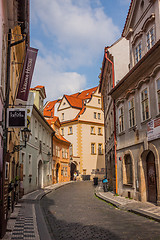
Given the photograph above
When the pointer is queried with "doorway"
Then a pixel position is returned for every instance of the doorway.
(57, 172)
(151, 178)
(40, 177)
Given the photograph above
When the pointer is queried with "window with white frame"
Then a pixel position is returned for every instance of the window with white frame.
(145, 104)
(100, 148)
(99, 116)
(150, 38)
(121, 119)
(70, 130)
(93, 150)
(92, 130)
(138, 52)
(158, 94)
(99, 131)
(131, 109)
(95, 115)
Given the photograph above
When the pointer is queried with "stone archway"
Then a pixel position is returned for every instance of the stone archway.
(151, 178)
(143, 172)
(73, 169)
(40, 174)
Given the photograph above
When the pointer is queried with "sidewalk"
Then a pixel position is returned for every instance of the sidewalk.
(27, 222)
(146, 209)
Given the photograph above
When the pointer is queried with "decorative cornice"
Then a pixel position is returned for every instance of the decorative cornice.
(148, 20)
(138, 35)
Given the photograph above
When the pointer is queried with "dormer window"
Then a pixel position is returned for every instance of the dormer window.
(150, 38)
(138, 52)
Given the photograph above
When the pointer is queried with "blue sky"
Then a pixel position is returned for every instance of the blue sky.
(71, 36)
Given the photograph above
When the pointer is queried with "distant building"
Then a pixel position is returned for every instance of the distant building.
(114, 67)
(61, 158)
(137, 98)
(82, 124)
(36, 158)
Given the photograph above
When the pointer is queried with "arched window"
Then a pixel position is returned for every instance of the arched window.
(127, 170)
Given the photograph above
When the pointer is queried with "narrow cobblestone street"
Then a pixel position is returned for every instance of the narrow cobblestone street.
(73, 212)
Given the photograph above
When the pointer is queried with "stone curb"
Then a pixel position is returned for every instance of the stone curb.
(126, 208)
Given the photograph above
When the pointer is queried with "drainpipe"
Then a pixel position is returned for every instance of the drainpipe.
(114, 113)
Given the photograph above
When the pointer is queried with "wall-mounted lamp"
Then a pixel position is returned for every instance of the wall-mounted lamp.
(25, 138)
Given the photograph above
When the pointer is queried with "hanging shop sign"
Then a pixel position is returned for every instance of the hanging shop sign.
(16, 117)
(153, 129)
(26, 76)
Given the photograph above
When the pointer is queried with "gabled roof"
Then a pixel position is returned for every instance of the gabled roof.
(74, 102)
(41, 88)
(49, 108)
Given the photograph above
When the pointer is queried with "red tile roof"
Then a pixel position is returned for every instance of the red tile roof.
(75, 100)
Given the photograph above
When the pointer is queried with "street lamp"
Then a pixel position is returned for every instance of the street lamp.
(25, 138)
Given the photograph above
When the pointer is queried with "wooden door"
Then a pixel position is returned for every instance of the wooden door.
(151, 178)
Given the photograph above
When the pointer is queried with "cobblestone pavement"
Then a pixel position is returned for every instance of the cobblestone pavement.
(75, 213)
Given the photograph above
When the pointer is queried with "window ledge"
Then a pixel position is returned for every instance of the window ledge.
(146, 121)
(128, 185)
(93, 134)
(121, 133)
(70, 133)
(93, 153)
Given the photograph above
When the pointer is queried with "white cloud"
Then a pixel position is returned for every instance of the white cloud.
(56, 83)
(80, 30)
(79, 33)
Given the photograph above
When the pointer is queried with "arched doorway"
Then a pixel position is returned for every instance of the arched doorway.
(73, 169)
(57, 172)
(151, 177)
(40, 176)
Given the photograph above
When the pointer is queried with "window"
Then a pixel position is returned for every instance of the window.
(99, 116)
(127, 173)
(63, 153)
(57, 151)
(99, 131)
(70, 130)
(93, 148)
(71, 150)
(145, 104)
(62, 131)
(92, 130)
(62, 116)
(36, 129)
(138, 52)
(121, 120)
(158, 94)
(99, 148)
(30, 165)
(150, 38)
(99, 101)
(95, 115)
(131, 113)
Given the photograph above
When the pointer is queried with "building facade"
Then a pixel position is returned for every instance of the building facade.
(137, 101)
(114, 67)
(82, 124)
(14, 35)
(61, 158)
(36, 158)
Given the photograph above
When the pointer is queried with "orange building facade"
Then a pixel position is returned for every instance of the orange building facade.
(61, 161)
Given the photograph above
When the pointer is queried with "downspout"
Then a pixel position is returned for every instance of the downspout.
(114, 113)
